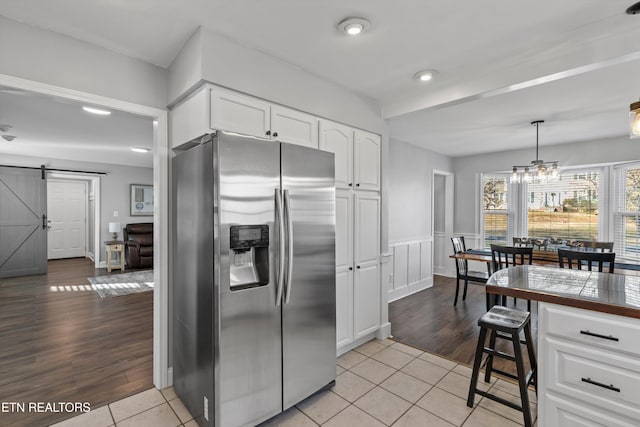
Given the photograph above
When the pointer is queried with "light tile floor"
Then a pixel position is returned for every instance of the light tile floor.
(381, 383)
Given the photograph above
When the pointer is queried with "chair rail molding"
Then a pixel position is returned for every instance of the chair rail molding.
(412, 267)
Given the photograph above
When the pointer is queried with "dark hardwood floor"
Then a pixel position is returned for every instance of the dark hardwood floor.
(71, 346)
(428, 320)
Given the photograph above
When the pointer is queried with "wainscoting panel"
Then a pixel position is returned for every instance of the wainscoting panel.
(412, 267)
(400, 263)
(426, 270)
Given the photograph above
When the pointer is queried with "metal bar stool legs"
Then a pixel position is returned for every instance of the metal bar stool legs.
(505, 323)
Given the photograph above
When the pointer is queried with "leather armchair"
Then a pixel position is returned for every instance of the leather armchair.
(138, 249)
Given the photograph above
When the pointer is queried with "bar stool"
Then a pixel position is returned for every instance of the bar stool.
(505, 323)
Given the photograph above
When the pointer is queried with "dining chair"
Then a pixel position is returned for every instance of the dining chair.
(510, 256)
(580, 259)
(594, 246)
(462, 269)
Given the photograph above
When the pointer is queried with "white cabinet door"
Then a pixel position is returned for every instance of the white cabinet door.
(366, 298)
(233, 112)
(367, 161)
(294, 127)
(338, 139)
(367, 227)
(344, 230)
(344, 307)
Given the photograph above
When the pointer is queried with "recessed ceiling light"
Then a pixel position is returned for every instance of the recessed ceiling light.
(8, 137)
(5, 128)
(96, 111)
(141, 149)
(634, 9)
(425, 76)
(353, 26)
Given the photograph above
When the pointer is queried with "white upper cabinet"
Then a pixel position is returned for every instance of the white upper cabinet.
(294, 127)
(243, 114)
(357, 155)
(338, 139)
(367, 161)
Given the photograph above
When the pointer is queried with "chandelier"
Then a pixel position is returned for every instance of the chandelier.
(538, 170)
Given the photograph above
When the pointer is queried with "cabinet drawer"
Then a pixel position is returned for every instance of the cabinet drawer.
(115, 248)
(595, 376)
(603, 330)
(565, 412)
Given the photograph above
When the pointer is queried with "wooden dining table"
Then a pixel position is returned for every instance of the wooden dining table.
(541, 258)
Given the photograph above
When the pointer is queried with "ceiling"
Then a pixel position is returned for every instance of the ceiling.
(58, 128)
(502, 63)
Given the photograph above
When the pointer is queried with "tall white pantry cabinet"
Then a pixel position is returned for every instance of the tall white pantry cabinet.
(357, 157)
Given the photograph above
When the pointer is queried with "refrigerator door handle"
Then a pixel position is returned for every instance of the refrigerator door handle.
(287, 208)
(281, 247)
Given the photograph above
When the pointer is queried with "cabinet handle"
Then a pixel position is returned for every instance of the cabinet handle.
(608, 387)
(350, 268)
(358, 267)
(605, 337)
(351, 184)
(268, 132)
(358, 185)
(275, 134)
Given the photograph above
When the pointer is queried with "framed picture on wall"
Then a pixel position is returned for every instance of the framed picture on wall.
(141, 200)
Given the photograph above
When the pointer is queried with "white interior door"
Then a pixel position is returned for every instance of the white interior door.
(67, 202)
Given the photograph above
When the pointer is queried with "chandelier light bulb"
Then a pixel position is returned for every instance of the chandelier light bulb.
(526, 177)
(515, 178)
(634, 120)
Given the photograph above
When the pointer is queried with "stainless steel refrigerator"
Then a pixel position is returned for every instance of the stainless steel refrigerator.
(254, 312)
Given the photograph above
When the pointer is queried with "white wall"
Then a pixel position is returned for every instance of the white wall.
(44, 56)
(467, 170)
(410, 235)
(114, 188)
(226, 63)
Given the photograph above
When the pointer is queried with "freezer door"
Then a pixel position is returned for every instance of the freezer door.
(249, 355)
(309, 310)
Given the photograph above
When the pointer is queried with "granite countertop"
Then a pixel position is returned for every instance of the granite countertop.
(609, 293)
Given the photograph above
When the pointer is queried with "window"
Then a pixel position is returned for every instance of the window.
(627, 213)
(497, 221)
(566, 208)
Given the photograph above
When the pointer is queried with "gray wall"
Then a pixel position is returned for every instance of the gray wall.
(467, 169)
(410, 174)
(114, 188)
(439, 189)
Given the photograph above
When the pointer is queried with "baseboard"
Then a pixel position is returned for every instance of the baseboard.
(103, 264)
(410, 289)
(170, 376)
(90, 256)
(384, 331)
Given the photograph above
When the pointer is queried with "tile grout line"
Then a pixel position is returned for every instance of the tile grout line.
(111, 413)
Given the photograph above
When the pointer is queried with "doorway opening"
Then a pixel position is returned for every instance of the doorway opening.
(442, 221)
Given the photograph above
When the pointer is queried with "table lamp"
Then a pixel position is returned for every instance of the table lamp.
(114, 227)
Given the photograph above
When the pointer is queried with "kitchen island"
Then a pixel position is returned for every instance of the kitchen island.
(588, 343)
